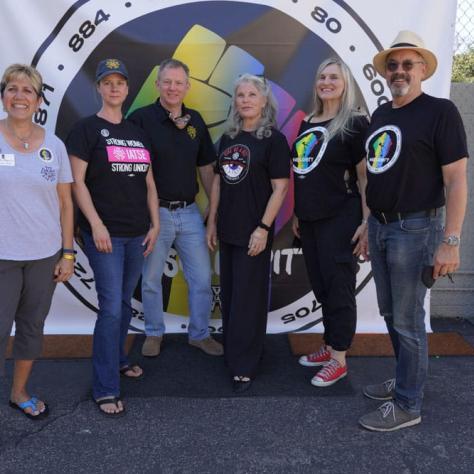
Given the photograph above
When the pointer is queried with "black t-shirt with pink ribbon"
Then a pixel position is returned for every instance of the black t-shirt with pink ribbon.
(247, 165)
(324, 170)
(118, 159)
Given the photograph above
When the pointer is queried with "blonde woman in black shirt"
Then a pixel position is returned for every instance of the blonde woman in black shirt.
(330, 210)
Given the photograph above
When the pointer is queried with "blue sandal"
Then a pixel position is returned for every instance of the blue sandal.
(33, 404)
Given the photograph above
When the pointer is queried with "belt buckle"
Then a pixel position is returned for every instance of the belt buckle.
(174, 205)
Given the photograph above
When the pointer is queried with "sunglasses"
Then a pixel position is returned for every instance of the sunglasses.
(407, 65)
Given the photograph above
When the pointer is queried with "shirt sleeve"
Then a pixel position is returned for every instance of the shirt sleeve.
(360, 126)
(280, 156)
(450, 136)
(64, 172)
(78, 142)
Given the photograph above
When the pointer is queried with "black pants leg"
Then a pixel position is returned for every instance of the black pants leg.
(244, 298)
(331, 267)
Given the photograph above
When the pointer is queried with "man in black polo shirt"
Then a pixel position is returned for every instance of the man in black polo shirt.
(181, 143)
(416, 158)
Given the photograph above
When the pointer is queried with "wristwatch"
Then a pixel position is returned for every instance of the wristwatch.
(452, 240)
(264, 226)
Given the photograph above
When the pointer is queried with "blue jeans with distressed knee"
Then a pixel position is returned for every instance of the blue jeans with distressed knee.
(398, 252)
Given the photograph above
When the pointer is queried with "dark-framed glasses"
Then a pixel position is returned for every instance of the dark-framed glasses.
(407, 65)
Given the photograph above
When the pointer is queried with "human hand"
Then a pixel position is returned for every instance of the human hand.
(101, 237)
(446, 260)
(211, 235)
(257, 242)
(63, 270)
(150, 240)
(361, 239)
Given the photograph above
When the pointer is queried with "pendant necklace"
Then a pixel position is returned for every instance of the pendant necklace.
(24, 140)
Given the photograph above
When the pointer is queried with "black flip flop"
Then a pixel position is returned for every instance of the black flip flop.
(129, 367)
(33, 404)
(108, 400)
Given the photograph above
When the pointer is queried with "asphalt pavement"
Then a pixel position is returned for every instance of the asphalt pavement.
(184, 418)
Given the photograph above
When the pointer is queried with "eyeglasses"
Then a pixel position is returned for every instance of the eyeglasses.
(407, 65)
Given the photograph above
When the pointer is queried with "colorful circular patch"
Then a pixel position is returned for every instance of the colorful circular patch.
(45, 155)
(383, 148)
(309, 148)
(234, 163)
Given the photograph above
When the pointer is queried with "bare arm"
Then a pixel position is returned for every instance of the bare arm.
(259, 237)
(65, 268)
(206, 174)
(360, 236)
(83, 198)
(211, 233)
(152, 201)
(446, 259)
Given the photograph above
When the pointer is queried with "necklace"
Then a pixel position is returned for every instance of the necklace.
(23, 140)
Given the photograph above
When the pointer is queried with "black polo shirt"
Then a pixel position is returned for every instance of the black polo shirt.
(176, 152)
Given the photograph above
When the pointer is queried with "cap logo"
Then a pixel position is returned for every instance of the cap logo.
(112, 64)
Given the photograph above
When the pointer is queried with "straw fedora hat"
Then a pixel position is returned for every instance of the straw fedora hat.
(407, 40)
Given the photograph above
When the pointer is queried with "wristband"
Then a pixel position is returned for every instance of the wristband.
(68, 256)
(264, 226)
(69, 251)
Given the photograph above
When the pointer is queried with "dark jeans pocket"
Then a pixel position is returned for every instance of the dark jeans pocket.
(419, 224)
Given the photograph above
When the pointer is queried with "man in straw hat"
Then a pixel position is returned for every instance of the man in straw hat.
(416, 158)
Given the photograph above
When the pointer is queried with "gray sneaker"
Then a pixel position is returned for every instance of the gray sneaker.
(380, 391)
(208, 345)
(152, 346)
(389, 417)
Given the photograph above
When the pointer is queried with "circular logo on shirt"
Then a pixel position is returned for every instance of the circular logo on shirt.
(45, 155)
(309, 148)
(383, 148)
(234, 163)
(104, 132)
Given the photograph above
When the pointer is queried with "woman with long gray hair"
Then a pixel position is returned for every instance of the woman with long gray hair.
(330, 210)
(248, 190)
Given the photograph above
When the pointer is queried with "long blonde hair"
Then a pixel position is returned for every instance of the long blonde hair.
(341, 124)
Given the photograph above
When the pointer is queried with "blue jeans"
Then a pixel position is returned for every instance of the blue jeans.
(184, 228)
(398, 252)
(116, 275)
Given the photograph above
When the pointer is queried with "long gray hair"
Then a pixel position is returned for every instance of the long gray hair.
(342, 122)
(269, 112)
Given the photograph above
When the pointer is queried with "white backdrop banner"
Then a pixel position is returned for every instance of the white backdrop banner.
(285, 40)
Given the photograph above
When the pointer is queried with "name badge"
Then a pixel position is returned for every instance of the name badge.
(7, 159)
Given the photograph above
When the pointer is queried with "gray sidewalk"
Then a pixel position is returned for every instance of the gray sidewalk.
(183, 418)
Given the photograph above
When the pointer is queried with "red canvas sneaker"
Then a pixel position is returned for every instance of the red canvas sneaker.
(322, 357)
(329, 374)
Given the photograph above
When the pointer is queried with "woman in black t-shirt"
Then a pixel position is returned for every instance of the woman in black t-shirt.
(248, 190)
(330, 210)
(119, 223)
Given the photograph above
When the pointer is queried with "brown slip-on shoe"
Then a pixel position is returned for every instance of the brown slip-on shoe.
(152, 346)
(208, 345)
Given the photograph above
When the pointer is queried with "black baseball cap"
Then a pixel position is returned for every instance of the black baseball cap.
(110, 66)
